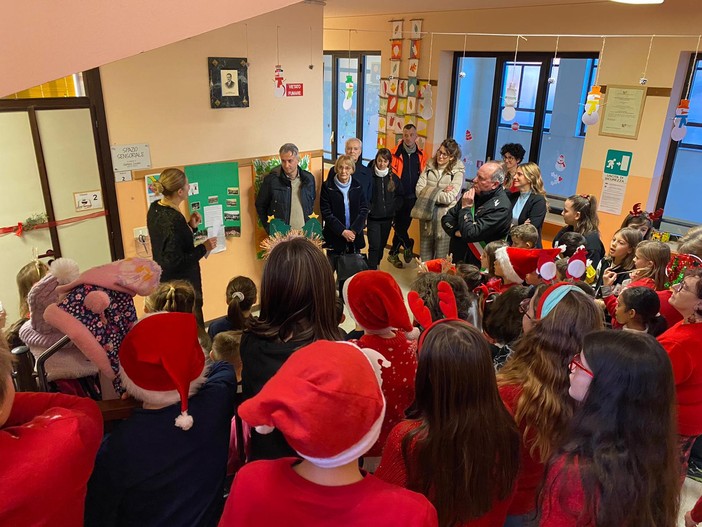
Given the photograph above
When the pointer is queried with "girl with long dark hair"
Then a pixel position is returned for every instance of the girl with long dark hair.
(298, 306)
(461, 449)
(619, 465)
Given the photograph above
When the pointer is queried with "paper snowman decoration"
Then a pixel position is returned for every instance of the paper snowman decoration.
(348, 93)
(592, 105)
(508, 112)
(279, 89)
(680, 120)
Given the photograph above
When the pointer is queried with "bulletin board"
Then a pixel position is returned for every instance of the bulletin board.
(214, 189)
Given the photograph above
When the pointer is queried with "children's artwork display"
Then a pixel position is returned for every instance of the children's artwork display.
(214, 194)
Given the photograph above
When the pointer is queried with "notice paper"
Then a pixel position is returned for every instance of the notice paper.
(217, 232)
(613, 190)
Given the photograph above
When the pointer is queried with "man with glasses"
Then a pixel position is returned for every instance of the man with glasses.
(482, 215)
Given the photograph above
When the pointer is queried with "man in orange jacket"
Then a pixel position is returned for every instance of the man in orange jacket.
(408, 161)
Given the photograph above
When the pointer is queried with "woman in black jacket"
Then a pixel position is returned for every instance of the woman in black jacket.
(172, 236)
(386, 199)
(529, 202)
(344, 211)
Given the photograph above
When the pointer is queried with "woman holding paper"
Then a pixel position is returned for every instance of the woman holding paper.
(172, 236)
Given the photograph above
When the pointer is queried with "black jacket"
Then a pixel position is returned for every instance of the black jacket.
(490, 221)
(261, 359)
(534, 210)
(172, 245)
(384, 202)
(275, 194)
(361, 174)
(331, 205)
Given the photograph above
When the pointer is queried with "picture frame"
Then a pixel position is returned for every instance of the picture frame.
(229, 82)
(622, 110)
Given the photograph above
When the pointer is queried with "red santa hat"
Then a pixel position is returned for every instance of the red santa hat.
(577, 264)
(517, 263)
(326, 400)
(161, 361)
(375, 301)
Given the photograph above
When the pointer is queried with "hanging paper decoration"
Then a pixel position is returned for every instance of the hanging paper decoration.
(401, 106)
(560, 163)
(394, 69)
(278, 78)
(680, 121)
(402, 88)
(592, 106)
(416, 24)
(397, 28)
(469, 136)
(508, 112)
(348, 93)
(384, 87)
(396, 50)
(382, 139)
(415, 49)
(428, 110)
(411, 105)
(413, 66)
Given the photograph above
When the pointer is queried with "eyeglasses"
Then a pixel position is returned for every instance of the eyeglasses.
(524, 307)
(682, 286)
(576, 364)
(441, 153)
(508, 157)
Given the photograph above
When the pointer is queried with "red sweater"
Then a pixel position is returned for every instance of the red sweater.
(563, 498)
(393, 470)
(271, 494)
(48, 447)
(398, 380)
(682, 342)
(531, 469)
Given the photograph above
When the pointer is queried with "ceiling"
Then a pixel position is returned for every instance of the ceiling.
(342, 8)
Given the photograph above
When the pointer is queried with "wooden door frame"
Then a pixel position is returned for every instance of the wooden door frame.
(94, 102)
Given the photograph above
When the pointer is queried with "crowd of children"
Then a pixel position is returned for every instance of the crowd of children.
(506, 402)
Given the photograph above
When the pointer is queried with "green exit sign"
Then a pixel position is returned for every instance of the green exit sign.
(618, 162)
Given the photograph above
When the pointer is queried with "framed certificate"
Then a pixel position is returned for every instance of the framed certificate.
(622, 110)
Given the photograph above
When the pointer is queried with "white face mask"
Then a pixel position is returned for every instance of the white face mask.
(383, 172)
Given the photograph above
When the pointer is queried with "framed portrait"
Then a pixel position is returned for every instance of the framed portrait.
(229, 82)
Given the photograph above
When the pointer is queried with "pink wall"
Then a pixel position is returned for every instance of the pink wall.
(47, 42)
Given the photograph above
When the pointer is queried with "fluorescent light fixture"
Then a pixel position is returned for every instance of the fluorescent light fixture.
(639, 2)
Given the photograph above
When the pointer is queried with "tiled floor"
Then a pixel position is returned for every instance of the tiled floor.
(691, 489)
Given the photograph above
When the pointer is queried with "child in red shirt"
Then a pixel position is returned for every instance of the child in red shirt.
(48, 443)
(326, 401)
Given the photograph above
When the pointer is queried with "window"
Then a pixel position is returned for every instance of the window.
(350, 110)
(547, 121)
(678, 195)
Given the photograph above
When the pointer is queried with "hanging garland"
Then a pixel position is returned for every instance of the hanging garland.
(40, 221)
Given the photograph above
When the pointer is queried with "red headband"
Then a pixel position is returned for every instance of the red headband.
(447, 304)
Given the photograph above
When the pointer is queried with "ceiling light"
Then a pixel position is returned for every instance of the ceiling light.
(639, 1)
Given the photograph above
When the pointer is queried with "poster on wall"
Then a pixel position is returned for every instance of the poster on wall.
(151, 193)
(214, 193)
(622, 111)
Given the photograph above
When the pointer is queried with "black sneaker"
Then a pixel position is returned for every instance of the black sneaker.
(394, 259)
(407, 253)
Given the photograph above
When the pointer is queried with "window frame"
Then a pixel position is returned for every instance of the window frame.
(546, 58)
(676, 226)
(360, 92)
